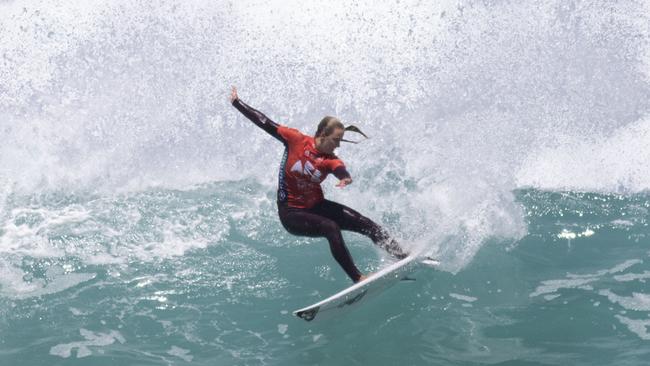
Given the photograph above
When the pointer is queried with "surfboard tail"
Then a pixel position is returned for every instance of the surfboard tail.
(428, 261)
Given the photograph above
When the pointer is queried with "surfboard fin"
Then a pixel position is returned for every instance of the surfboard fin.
(428, 261)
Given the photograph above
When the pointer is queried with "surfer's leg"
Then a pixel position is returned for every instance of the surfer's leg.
(304, 223)
(349, 219)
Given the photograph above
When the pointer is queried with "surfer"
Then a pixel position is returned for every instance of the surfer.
(302, 208)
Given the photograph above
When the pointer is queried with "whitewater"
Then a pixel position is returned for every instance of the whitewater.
(508, 139)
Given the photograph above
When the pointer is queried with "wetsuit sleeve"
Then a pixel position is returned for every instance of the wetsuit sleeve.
(257, 117)
(341, 173)
(337, 167)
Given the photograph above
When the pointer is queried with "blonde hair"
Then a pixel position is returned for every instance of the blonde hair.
(327, 125)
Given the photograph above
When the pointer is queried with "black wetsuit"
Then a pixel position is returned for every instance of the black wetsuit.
(325, 218)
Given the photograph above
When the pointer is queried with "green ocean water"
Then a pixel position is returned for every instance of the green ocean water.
(508, 139)
(188, 277)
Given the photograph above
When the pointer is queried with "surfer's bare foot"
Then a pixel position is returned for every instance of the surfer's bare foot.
(364, 277)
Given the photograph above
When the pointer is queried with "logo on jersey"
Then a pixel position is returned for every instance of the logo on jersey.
(311, 155)
(308, 170)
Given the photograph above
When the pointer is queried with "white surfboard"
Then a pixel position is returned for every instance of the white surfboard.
(360, 291)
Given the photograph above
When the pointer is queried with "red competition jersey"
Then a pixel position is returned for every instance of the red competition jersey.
(302, 170)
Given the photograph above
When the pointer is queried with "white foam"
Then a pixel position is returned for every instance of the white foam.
(552, 286)
(633, 276)
(607, 163)
(581, 281)
(587, 233)
(77, 312)
(82, 232)
(638, 301)
(92, 339)
(180, 353)
(551, 297)
(625, 265)
(622, 223)
(14, 286)
(616, 269)
(637, 326)
(565, 234)
(570, 235)
(282, 328)
(463, 297)
(459, 100)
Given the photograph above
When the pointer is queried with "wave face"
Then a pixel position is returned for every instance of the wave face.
(208, 276)
(137, 217)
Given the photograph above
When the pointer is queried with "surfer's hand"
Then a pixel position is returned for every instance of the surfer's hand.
(233, 94)
(344, 182)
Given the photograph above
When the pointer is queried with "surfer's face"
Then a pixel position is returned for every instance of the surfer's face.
(327, 144)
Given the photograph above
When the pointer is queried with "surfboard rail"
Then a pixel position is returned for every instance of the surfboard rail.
(373, 285)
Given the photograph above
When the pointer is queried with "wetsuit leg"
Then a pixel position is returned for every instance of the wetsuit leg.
(349, 219)
(303, 222)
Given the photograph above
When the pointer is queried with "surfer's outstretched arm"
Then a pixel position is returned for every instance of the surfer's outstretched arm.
(257, 117)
